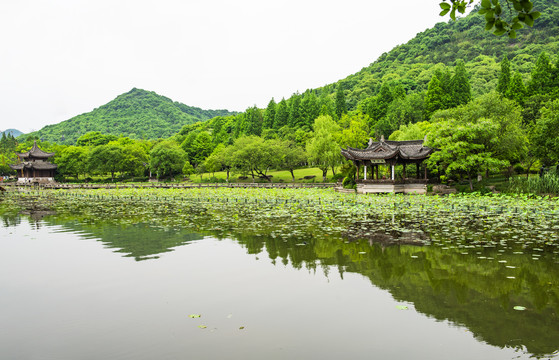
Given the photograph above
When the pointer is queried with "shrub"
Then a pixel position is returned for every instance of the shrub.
(519, 169)
(348, 183)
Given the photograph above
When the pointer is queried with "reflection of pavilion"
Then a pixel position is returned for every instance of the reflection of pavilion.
(388, 153)
(363, 231)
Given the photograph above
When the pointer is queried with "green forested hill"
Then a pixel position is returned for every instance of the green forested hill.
(405, 72)
(413, 63)
(136, 114)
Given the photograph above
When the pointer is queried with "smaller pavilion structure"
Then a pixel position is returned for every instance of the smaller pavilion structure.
(34, 166)
(390, 153)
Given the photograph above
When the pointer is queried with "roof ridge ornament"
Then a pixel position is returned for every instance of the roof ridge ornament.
(382, 138)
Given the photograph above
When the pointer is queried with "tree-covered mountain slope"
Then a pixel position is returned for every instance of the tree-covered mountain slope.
(136, 114)
(413, 63)
(406, 72)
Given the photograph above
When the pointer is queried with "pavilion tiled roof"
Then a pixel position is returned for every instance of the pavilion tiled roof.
(35, 152)
(37, 165)
(387, 149)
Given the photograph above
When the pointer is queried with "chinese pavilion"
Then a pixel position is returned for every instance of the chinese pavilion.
(389, 153)
(34, 166)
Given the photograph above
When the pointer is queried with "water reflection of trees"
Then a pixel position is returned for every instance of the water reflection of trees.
(11, 220)
(140, 241)
(469, 287)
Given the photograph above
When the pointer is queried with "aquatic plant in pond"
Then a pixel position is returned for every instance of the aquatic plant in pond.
(546, 184)
(281, 212)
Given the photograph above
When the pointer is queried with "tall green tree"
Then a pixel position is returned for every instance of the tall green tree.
(355, 129)
(291, 156)
(295, 114)
(5, 161)
(254, 155)
(135, 159)
(201, 148)
(72, 161)
(399, 93)
(516, 90)
(187, 169)
(546, 134)
(460, 83)
(188, 142)
(341, 105)
(384, 99)
(310, 109)
(541, 82)
(281, 117)
(326, 105)
(252, 124)
(407, 110)
(106, 159)
(435, 97)
(221, 157)
(504, 76)
(464, 148)
(510, 140)
(555, 76)
(269, 115)
(323, 149)
(167, 159)
(7, 144)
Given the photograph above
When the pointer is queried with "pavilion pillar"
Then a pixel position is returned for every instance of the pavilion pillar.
(425, 168)
(377, 170)
(404, 170)
(417, 172)
(365, 172)
(392, 166)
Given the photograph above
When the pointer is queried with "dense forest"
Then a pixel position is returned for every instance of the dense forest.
(138, 114)
(489, 103)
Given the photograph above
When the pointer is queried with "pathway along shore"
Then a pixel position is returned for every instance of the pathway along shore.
(14, 186)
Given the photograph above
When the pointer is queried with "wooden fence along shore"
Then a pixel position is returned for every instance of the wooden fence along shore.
(55, 186)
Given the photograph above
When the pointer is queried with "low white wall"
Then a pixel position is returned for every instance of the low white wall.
(35, 180)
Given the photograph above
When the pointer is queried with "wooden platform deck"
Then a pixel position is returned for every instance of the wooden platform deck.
(378, 188)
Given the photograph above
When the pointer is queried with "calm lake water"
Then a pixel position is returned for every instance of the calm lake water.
(75, 290)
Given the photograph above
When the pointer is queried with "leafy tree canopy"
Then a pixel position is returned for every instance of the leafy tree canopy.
(167, 159)
(504, 17)
(546, 134)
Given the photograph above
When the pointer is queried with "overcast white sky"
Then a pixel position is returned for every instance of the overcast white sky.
(61, 58)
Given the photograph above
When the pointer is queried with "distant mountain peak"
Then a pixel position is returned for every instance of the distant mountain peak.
(13, 132)
(137, 114)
